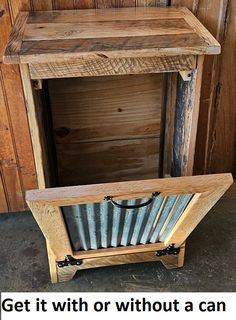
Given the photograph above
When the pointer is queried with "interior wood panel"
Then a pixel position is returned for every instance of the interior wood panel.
(106, 127)
(105, 106)
(98, 162)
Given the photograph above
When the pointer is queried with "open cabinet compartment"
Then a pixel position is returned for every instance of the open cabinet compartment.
(106, 128)
(113, 95)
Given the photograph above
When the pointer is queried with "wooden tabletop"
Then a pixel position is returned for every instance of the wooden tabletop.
(46, 36)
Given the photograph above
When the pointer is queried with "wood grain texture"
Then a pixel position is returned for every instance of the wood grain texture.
(214, 15)
(72, 16)
(3, 200)
(62, 4)
(121, 29)
(217, 17)
(194, 213)
(45, 205)
(186, 120)
(168, 123)
(98, 162)
(118, 251)
(16, 6)
(106, 108)
(16, 37)
(67, 273)
(84, 4)
(103, 29)
(131, 189)
(190, 4)
(41, 5)
(106, 118)
(51, 222)
(52, 264)
(201, 30)
(17, 167)
(8, 157)
(103, 48)
(35, 128)
(104, 67)
(19, 122)
(174, 261)
(222, 141)
(5, 26)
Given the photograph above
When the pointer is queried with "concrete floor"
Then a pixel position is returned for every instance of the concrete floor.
(210, 260)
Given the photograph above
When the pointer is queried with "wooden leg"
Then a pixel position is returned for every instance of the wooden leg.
(66, 273)
(186, 120)
(172, 261)
(59, 274)
(52, 264)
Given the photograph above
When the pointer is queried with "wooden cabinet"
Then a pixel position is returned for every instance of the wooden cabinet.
(108, 56)
(114, 128)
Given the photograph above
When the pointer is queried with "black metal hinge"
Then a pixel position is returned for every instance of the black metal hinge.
(69, 261)
(168, 251)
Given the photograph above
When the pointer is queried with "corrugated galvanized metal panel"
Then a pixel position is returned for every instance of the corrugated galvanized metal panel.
(102, 225)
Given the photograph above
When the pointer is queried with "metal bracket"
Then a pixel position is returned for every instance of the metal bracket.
(69, 261)
(170, 250)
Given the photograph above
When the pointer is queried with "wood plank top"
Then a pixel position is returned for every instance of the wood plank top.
(49, 36)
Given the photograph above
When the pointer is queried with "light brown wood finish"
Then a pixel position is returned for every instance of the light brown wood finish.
(174, 261)
(52, 264)
(193, 215)
(45, 205)
(129, 190)
(105, 67)
(16, 159)
(104, 29)
(94, 104)
(222, 140)
(36, 135)
(105, 118)
(3, 200)
(107, 161)
(72, 16)
(51, 222)
(118, 251)
(111, 37)
(16, 37)
(8, 162)
(216, 15)
(18, 128)
(186, 75)
(139, 47)
(170, 262)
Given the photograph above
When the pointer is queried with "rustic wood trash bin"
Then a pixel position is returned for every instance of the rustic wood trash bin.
(104, 134)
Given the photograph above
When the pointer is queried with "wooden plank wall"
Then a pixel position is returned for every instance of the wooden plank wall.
(17, 171)
(215, 150)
